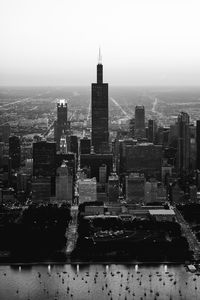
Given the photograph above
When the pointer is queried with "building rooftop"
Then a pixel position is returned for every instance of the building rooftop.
(162, 212)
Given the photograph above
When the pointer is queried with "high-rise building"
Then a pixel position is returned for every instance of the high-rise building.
(198, 145)
(1, 153)
(87, 190)
(142, 157)
(140, 122)
(62, 124)
(151, 131)
(132, 127)
(5, 133)
(44, 159)
(22, 181)
(95, 161)
(100, 133)
(64, 184)
(85, 145)
(155, 191)
(14, 151)
(103, 173)
(74, 144)
(113, 188)
(63, 144)
(135, 186)
(41, 189)
(183, 153)
(70, 161)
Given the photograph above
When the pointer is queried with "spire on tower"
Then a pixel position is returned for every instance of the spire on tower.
(100, 57)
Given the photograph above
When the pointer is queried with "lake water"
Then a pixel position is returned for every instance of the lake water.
(98, 282)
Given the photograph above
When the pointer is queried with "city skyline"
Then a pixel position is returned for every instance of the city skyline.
(56, 42)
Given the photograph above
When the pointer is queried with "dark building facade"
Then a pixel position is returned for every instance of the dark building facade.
(5, 133)
(85, 146)
(140, 122)
(183, 153)
(143, 158)
(95, 161)
(100, 133)
(151, 131)
(74, 144)
(14, 151)
(62, 125)
(44, 159)
(198, 145)
(70, 161)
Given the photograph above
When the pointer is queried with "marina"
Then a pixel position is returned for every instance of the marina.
(98, 281)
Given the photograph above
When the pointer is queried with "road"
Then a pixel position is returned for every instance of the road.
(71, 233)
(191, 238)
(15, 102)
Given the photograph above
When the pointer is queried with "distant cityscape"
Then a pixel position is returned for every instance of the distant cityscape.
(100, 181)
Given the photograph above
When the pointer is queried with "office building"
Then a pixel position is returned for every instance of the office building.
(151, 131)
(132, 127)
(63, 144)
(85, 145)
(62, 125)
(15, 151)
(74, 144)
(103, 173)
(198, 145)
(87, 189)
(144, 158)
(183, 152)
(140, 122)
(113, 188)
(41, 189)
(70, 160)
(154, 191)
(135, 185)
(100, 132)
(64, 184)
(22, 181)
(5, 132)
(44, 158)
(95, 161)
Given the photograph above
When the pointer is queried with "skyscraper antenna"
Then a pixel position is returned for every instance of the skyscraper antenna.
(100, 56)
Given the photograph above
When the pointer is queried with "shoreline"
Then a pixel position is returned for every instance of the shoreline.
(95, 263)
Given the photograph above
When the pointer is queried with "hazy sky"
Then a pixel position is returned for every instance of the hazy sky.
(55, 42)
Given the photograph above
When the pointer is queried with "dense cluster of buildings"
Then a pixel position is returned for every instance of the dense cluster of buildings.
(143, 165)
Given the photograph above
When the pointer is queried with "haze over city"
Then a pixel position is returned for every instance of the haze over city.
(55, 42)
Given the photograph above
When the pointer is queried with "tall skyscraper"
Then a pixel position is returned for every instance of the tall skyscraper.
(100, 133)
(140, 122)
(183, 153)
(151, 131)
(198, 145)
(62, 124)
(14, 151)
